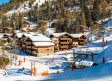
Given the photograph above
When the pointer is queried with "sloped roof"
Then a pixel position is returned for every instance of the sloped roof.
(58, 34)
(39, 37)
(76, 35)
(72, 35)
(86, 63)
(43, 43)
(19, 35)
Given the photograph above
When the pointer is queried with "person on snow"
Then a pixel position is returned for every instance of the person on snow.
(23, 68)
(5, 72)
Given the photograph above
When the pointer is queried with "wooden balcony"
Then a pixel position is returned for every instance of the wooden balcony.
(56, 46)
(64, 47)
(66, 39)
(28, 43)
(82, 39)
(34, 52)
(28, 46)
(82, 43)
(56, 51)
(64, 42)
(56, 42)
(31, 47)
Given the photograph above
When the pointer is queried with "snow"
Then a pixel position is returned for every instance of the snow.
(22, 9)
(32, 24)
(108, 23)
(39, 37)
(19, 35)
(43, 43)
(58, 34)
(45, 63)
(86, 63)
(76, 35)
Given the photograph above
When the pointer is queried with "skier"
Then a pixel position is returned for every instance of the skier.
(23, 68)
(5, 73)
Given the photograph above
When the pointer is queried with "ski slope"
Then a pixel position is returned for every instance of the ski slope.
(45, 64)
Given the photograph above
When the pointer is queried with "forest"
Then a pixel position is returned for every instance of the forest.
(72, 16)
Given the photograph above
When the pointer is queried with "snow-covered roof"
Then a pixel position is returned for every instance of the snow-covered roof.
(43, 43)
(50, 30)
(86, 63)
(39, 37)
(19, 35)
(7, 28)
(76, 35)
(25, 29)
(73, 35)
(32, 24)
(58, 34)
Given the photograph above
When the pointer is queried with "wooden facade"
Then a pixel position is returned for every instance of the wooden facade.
(81, 40)
(67, 41)
(26, 24)
(7, 30)
(26, 44)
(27, 30)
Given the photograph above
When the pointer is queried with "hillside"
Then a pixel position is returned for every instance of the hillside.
(67, 16)
(43, 38)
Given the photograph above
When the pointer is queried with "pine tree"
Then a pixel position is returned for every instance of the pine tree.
(95, 12)
(83, 23)
(77, 28)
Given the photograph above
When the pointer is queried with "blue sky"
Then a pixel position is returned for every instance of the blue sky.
(4, 1)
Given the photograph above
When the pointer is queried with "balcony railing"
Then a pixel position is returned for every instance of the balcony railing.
(64, 47)
(64, 42)
(56, 47)
(28, 42)
(66, 39)
(34, 52)
(82, 42)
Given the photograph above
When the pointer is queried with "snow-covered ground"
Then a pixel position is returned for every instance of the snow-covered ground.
(25, 8)
(45, 64)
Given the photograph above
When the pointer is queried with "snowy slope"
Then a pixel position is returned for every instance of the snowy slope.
(26, 8)
(108, 23)
(96, 73)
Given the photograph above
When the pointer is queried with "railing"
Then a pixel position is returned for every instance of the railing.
(56, 47)
(64, 42)
(64, 46)
(82, 42)
(34, 52)
(28, 42)
(56, 42)
(66, 39)
(28, 46)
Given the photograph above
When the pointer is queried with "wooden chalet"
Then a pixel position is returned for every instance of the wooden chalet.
(27, 29)
(26, 23)
(65, 41)
(36, 44)
(17, 40)
(80, 38)
(7, 30)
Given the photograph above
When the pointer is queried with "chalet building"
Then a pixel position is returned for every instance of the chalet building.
(7, 30)
(27, 29)
(29, 24)
(26, 23)
(79, 38)
(35, 44)
(64, 41)
(18, 42)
